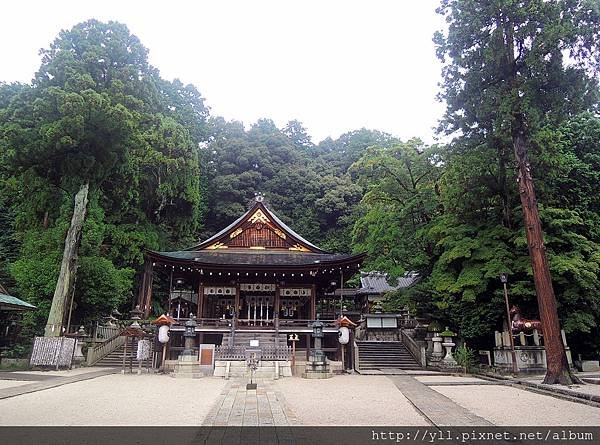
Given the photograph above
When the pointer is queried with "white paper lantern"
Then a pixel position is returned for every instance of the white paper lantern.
(344, 335)
(163, 333)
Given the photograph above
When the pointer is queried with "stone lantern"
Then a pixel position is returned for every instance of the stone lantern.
(190, 336)
(317, 366)
(136, 317)
(448, 344)
(80, 337)
(318, 335)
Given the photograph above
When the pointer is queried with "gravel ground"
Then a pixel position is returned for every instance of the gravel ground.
(512, 406)
(348, 400)
(116, 400)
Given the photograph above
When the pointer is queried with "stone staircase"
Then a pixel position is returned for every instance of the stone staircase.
(115, 358)
(242, 338)
(384, 355)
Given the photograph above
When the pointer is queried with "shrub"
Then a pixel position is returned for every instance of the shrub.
(465, 357)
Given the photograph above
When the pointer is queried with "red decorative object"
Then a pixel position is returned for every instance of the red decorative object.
(164, 319)
(345, 322)
(520, 324)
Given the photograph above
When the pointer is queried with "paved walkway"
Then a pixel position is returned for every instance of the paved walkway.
(238, 407)
(438, 409)
(20, 376)
(52, 383)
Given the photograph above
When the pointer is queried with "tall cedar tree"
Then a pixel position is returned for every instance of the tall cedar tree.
(511, 67)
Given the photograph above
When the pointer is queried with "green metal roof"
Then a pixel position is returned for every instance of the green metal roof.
(10, 303)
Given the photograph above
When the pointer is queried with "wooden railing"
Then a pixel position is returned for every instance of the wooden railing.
(407, 323)
(99, 351)
(227, 352)
(285, 322)
(103, 333)
(417, 351)
(207, 322)
(238, 352)
(270, 352)
(243, 323)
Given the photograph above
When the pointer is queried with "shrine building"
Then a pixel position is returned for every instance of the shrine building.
(256, 278)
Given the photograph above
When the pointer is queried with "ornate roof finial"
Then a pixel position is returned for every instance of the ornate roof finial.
(258, 197)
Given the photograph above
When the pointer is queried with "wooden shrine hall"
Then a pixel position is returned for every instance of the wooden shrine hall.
(256, 275)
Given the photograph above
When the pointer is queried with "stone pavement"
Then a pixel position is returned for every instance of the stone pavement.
(21, 376)
(437, 409)
(238, 407)
(51, 383)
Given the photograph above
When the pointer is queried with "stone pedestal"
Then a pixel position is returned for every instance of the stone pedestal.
(590, 365)
(448, 361)
(529, 358)
(78, 356)
(438, 350)
(188, 367)
(317, 367)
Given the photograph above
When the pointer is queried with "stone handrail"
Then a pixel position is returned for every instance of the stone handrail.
(417, 351)
(101, 350)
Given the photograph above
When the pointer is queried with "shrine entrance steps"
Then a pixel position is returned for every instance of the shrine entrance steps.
(269, 369)
(238, 369)
(384, 356)
(242, 338)
(115, 358)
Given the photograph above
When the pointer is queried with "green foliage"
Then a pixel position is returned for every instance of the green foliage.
(400, 201)
(96, 113)
(300, 181)
(505, 71)
(465, 358)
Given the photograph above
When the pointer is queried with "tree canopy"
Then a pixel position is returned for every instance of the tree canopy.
(164, 173)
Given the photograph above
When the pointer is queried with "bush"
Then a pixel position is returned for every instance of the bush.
(465, 357)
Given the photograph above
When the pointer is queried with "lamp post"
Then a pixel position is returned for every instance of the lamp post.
(504, 280)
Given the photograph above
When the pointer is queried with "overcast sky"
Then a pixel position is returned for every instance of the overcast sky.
(334, 65)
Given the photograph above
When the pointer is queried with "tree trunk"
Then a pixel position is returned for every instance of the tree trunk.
(68, 267)
(558, 367)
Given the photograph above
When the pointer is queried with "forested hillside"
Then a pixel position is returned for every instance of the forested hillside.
(163, 172)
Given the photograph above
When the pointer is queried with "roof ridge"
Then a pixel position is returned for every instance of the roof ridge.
(257, 205)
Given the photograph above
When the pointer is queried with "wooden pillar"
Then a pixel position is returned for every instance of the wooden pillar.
(170, 291)
(200, 312)
(236, 304)
(277, 303)
(145, 294)
(313, 302)
(307, 346)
